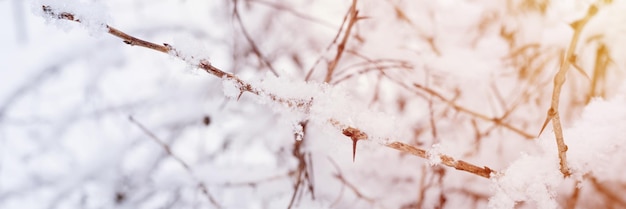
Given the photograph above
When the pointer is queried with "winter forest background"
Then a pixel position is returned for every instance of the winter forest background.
(258, 104)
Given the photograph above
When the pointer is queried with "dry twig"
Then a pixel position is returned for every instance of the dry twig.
(496, 120)
(351, 186)
(342, 45)
(180, 161)
(610, 196)
(253, 45)
(319, 59)
(289, 10)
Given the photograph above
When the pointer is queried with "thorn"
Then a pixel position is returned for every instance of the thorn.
(551, 113)
(354, 140)
(573, 60)
(575, 24)
(545, 123)
(240, 93)
(355, 135)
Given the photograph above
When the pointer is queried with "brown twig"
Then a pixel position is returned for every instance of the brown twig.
(603, 60)
(351, 186)
(446, 160)
(303, 174)
(180, 161)
(571, 203)
(354, 13)
(369, 65)
(431, 113)
(610, 195)
(559, 79)
(253, 45)
(254, 183)
(319, 58)
(293, 12)
(496, 120)
(300, 105)
(428, 38)
(419, 203)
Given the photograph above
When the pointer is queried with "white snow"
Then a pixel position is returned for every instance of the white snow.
(93, 15)
(595, 146)
(189, 49)
(231, 88)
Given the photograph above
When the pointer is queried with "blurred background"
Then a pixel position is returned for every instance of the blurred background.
(87, 121)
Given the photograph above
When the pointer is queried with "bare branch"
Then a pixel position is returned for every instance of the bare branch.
(457, 107)
(293, 12)
(342, 45)
(351, 186)
(559, 79)
(180, 161)
(255, 48)
(319, 59)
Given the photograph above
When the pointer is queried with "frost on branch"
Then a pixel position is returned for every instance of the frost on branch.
(434, 155)
(334, 103)
(189, 49)
(93, 16)
(231, 88)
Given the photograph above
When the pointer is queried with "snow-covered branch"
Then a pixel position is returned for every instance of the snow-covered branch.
(303, 106)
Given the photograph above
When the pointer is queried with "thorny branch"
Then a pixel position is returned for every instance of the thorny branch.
(559, 79)
(303, 106)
